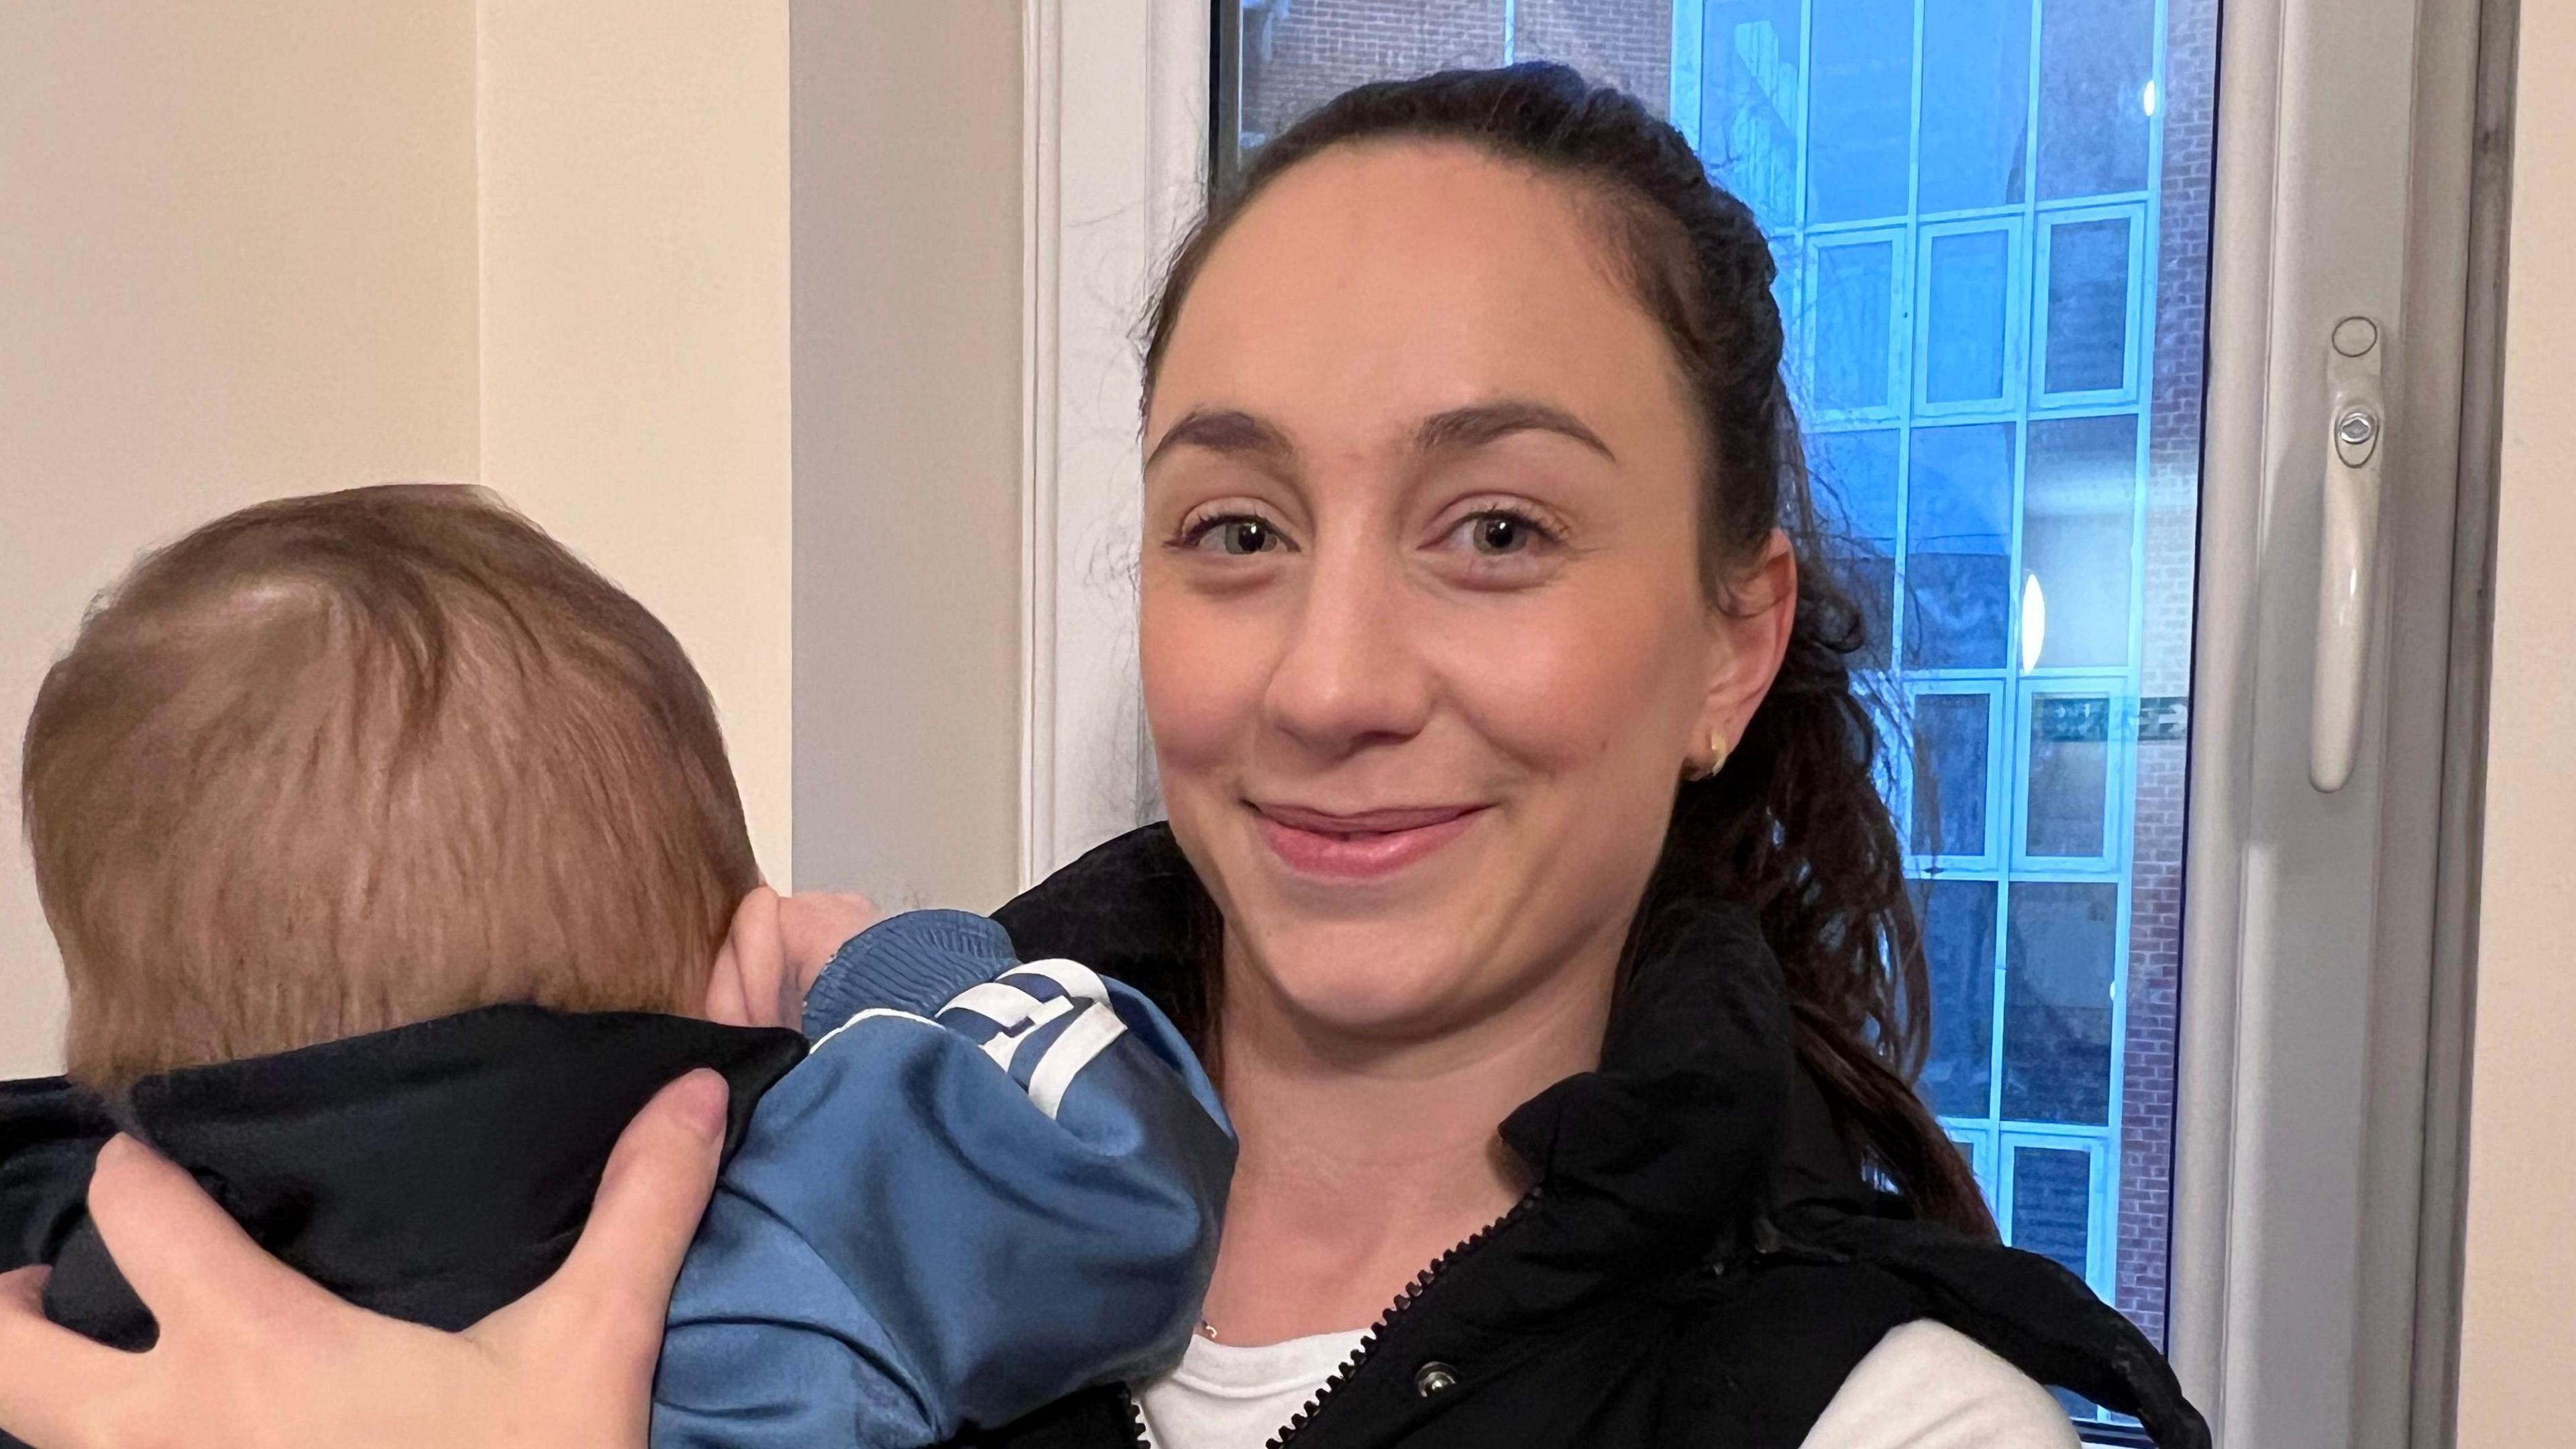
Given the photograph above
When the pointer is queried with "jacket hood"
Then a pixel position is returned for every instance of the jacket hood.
(433, 1172)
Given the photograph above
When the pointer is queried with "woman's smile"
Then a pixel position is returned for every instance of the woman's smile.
(1426, 647)
(1359, 845)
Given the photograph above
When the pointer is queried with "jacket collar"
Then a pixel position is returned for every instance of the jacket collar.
(1699, 1139)
(1697, 1120)
(433, 1172)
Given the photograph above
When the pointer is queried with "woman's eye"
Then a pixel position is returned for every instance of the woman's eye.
(1499, 533)
(1240, 534)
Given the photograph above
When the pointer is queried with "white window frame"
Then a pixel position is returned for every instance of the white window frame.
(1114, 156)
(2301, 1178)
(2315, 1201)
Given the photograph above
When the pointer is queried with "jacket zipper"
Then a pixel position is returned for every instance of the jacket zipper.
(1411, 1295)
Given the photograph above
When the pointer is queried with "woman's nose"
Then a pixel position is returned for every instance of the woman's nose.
(1349, 676)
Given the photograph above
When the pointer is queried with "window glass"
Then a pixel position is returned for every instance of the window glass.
(1791, 294)
(1969, 284)
(1949, 806)
(2088, 305)
(1964, 199)
(2053, 1205)
(1958, 551)
(1861, 118)
(1753, 99)
(2096, 96)
(2070, 776)
(1976, 103)
(1959, 946)
(1855, 480)
(2061, 938)
(2078, 535)
(1854, 476)
(1853, 326)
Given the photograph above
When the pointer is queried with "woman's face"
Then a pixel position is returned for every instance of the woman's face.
(1425, 644)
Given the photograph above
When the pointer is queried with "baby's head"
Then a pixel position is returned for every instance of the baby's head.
(341, 763)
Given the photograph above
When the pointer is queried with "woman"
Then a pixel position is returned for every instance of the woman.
(1525, 885)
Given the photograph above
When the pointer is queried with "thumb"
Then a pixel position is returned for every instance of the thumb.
(615, 1289)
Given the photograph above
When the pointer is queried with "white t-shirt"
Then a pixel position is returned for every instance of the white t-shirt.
(1924, 1387)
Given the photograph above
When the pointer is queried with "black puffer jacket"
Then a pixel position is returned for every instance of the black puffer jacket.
(1699, 1265)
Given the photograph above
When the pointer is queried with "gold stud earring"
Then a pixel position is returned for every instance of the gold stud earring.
(1716, 756)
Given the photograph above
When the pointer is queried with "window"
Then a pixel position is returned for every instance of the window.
(2256, 1156)
(1971, 205)
(2045, 433)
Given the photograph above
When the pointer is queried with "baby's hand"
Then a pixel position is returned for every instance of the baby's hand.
(777, 946)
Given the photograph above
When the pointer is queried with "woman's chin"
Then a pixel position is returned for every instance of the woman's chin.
(1362, 981)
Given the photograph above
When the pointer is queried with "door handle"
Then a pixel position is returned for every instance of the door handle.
(2349, 503)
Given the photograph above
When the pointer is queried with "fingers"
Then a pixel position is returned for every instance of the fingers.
(615, 1289)
(186, 1258)
(814, 925)
(51, 1379)
(24, 1289)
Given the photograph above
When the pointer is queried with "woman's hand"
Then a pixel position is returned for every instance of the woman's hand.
(253, 1355)
(777, 946)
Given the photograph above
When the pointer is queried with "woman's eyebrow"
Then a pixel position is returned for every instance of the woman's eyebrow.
(1223, 430)
(1484, 423)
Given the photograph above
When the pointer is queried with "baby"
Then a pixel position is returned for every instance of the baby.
(388, 848)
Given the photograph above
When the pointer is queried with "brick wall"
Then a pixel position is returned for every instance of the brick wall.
(1304, 52)
(2173, 497)
(1624, 43)
(1312, 50)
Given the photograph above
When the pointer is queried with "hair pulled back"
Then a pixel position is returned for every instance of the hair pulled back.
(1794, 824)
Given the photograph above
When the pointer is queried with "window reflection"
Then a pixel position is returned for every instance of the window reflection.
(2059, 956)
(1989, 220)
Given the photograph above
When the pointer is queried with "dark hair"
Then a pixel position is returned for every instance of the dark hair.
(335, 764)
(1794, 823)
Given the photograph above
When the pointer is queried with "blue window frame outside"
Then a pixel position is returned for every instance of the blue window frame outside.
(1963, 197)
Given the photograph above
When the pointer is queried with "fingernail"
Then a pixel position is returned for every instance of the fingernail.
(702, 1098)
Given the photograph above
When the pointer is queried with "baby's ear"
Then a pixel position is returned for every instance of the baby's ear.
(725, 1003)
(743, 988)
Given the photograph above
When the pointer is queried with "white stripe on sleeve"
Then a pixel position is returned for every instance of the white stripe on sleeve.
(1006, 1044)
(1084, 1038)
(998, 1002)
(1076, 978)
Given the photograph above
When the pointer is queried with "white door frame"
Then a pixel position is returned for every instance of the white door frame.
(2309, 919)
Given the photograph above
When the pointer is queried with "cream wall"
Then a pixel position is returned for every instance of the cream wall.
(2518, 1309)
(277, 246)
(634, 327)
(237, 260)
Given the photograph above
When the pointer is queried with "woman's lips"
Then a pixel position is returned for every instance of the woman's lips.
(1363, 846)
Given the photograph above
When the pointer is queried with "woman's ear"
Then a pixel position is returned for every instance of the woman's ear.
(1749, 638)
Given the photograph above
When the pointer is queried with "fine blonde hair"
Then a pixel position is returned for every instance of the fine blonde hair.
(340, 763)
